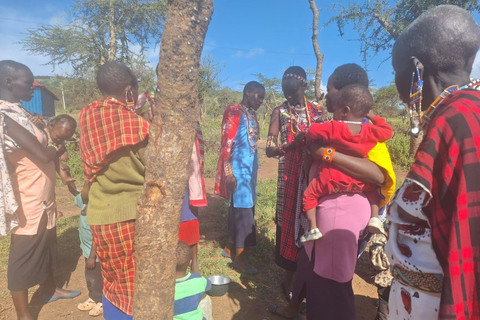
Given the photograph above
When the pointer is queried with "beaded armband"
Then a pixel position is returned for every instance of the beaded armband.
(53, 145)
(228, 169)
(272, 142)
(328, 154)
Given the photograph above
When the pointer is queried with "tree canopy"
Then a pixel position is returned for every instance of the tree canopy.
(99, 31)
(380, 22)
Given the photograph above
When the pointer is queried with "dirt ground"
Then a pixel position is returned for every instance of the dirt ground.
(237, 304)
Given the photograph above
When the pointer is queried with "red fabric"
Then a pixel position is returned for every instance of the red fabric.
(447, 164)
(230, 122)
(338, 135)
(113, 245)
(189, 232)
(293, 166)
(106, 126)
(201, 159)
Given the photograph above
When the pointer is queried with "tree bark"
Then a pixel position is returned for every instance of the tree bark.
(113, 33)
(167, 157)
(318, 53)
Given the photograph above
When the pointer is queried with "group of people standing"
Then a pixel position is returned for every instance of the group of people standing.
(343, 166)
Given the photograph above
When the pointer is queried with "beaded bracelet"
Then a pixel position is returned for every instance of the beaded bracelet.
(328, 154)
(228, 169)
(53, 145)
(272, 142)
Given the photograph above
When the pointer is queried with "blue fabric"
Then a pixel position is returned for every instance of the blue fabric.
(245, 166)
(110, 312)
(186, 214)
(79, 202)
(85, 234)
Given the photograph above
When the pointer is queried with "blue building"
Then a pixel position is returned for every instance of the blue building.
(43, 101)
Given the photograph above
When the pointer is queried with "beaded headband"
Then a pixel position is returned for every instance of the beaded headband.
(296, 76)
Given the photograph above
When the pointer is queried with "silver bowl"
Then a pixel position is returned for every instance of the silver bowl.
(219, 285)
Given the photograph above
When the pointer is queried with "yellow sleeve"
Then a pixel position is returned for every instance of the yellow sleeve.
(380, 156)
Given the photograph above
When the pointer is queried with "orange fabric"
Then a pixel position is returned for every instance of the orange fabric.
(33, 183)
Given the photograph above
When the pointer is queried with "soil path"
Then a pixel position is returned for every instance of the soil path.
(239, 303)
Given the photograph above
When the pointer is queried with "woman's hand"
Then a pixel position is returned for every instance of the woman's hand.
(231, 183)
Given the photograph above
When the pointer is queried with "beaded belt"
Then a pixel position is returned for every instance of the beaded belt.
(431, 283)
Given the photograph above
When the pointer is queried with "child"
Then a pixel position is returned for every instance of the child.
(189, 287)
(93, 273)
(347, 134)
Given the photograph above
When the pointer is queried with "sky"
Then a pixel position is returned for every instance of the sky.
(245, 37)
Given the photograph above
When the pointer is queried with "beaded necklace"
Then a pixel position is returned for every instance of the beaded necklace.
(427, 115)
(252, 131)
(299, 122)
(35, 120)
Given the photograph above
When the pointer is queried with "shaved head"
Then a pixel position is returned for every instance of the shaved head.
(10, 69)
(444, 38)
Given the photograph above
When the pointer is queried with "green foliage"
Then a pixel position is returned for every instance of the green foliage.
(74, 161)
(386, 102)
(399, 145)
(99, 31)
(380, 22)
(208, 84)
(212, 134)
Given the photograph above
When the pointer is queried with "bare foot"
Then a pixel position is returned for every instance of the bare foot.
(242, 264)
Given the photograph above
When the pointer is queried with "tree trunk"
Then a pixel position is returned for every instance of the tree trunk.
(318, 53)
(113, 33)
(167, 157)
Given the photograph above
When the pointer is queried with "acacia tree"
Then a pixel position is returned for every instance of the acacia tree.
(167, 157)
(380, 22)
(99, 31)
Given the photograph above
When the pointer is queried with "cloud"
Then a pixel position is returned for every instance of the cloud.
(252, 53)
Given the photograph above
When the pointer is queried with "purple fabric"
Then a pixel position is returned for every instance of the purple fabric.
(340, 218)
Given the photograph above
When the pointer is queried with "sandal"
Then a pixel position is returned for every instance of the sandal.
(73, 294)
(89, 304)
(252, 270)
(273, 309)
(225, 255)
(97, 310)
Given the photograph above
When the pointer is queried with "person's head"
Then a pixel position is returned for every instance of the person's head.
(184, 256)
(61, 128)
(116, 80)
(253, 95)
(442, 43)
(16, 81)
(352, 103)
(343, 76)
(294, 84)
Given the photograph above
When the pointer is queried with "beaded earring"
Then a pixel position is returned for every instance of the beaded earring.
(129, 100)
(415, 105)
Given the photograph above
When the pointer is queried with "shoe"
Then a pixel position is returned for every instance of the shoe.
(73, 294)
(252, 270)
(89, 304)
(97, 310)
(311, 235)
(225, 255)
(273, 309)
(375, 225)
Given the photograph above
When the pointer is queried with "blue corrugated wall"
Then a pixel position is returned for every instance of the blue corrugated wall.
(34, 105)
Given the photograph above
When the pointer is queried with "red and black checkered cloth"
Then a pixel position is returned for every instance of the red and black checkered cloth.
(291, 174)
(448, 164)
(106, 126)
(113, 245)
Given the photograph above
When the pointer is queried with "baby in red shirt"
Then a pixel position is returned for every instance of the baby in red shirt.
(348, 135)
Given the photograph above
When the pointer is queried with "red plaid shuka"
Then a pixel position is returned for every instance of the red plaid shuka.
(106, 126)
(448, 164)
(230, 123)
(289, 173)
(113, 245)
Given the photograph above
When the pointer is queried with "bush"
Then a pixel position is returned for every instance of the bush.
(399, 145)
(74, 161)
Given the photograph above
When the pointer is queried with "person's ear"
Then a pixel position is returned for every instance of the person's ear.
(418, 64)
(8, 82)
(346, 110)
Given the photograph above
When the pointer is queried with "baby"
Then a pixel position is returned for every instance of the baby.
(347, 134)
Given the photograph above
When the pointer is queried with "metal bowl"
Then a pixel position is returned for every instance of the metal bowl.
(219, 285)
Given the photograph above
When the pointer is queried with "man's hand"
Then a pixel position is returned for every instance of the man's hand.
(299, 138)
(90, 263)
(231, 183)
(370, 115)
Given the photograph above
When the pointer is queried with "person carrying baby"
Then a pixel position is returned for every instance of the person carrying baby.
(347, 134)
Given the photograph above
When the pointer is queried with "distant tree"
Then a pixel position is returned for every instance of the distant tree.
(386, 102)
(379, 22)
(208, 81)
(99, 31)
(273, 94)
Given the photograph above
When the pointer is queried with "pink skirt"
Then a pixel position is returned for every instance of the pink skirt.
(340, 218)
